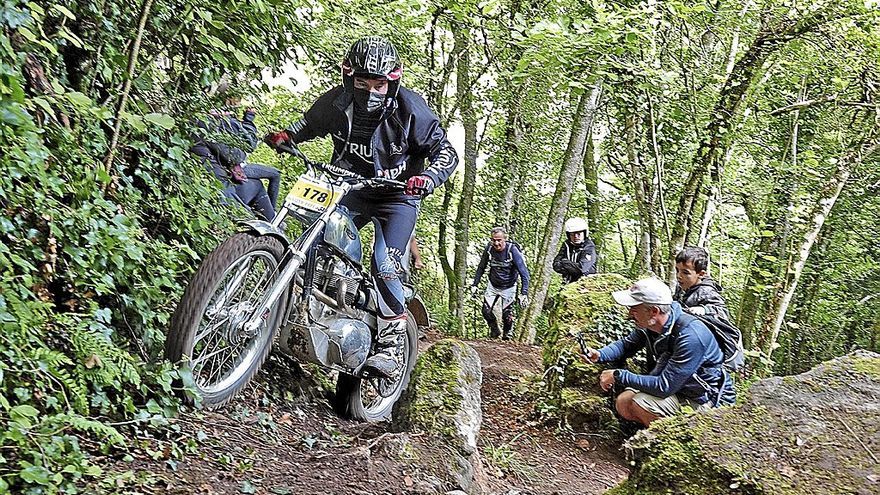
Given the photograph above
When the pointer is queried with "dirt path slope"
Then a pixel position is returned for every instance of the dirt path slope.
(271, 443)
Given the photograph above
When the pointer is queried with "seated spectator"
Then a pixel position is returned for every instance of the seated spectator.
(689, 364)
(223, 141)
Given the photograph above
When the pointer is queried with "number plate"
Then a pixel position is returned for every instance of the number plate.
(311, 195)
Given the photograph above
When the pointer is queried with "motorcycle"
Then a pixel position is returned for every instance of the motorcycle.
(313, 293)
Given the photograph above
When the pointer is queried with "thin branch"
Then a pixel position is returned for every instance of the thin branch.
(800, 105)
(123, 100)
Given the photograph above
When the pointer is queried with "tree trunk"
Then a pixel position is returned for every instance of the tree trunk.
(510, 168)
(598, 227)
(469, 122)
(820, 213)
(442, 230)
(716, 136)
(642, 195)
(574, 157)
(772, 259)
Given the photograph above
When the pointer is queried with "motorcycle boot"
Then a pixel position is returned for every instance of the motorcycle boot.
(387, 360)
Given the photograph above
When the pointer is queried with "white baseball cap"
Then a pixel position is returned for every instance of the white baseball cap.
(646, 291)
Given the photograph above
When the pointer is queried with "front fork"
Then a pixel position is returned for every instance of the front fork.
(286, 277)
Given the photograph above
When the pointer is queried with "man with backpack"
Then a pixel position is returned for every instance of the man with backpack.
(506, 263)
(689, 364)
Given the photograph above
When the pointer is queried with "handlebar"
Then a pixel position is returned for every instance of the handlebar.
(346, 175)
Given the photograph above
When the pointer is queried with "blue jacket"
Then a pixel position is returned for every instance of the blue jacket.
(408, 133)
(504, 266)
(689, 363)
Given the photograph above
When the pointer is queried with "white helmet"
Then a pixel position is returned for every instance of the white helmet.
(575, 224)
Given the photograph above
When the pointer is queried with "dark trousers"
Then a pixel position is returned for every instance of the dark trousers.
(506, 316)
(253, 195)
(272, 174)
(393, 217)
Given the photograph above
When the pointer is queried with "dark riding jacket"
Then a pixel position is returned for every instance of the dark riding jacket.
(705, 293)
(408, 134)
(584, 257)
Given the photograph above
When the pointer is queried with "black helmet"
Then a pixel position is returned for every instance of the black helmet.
(372, 57)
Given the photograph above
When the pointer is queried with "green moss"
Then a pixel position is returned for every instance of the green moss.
(581, 408)
(868, 366)
(674, 461)
(584, 308)
(434, 393)
(760, 446)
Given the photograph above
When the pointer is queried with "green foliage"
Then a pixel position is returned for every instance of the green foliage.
(93, 259)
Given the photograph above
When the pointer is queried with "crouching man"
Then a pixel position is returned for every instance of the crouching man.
(687, 362)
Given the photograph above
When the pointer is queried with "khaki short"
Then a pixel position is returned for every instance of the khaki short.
(670, 406)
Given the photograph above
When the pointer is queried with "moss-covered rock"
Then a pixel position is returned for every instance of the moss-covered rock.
(443, 396)
(811, 433)
(584, 308)
(585, 409)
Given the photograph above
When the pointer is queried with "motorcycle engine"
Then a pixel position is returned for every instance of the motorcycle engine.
(333, 274)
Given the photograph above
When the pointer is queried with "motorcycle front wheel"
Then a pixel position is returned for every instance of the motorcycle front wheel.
(209, 334)
(373, 399)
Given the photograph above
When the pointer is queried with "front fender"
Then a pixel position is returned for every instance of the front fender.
(262, 227)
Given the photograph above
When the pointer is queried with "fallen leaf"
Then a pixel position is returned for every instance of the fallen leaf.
(408, 481)
(285, 419)
(93, 361)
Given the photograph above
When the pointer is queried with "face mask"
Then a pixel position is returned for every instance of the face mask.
(368, 100)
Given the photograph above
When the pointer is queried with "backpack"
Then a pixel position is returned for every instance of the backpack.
(508, 249)
(728, 336)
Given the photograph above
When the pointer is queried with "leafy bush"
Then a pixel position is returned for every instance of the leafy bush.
(93, 254)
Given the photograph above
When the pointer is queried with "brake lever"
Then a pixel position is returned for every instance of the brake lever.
(388, 183)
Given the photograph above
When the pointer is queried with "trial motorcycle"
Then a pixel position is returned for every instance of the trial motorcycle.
(313, 294)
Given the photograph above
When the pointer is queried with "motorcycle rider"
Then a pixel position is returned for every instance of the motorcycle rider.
(577, 254)
(380, 129)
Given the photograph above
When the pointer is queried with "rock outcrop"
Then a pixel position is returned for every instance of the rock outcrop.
(582, 308)
(443, 399)
(817, 432)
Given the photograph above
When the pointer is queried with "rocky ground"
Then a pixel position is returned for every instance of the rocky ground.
(285, 442)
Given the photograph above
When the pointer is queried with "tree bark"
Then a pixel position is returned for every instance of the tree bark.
(442, 239)
(642, 195)
(598, 227)
(465, 203)
(821, 211)
(574, 157)
(771, 257)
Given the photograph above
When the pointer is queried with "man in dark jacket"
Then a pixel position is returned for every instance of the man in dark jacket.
(506, 263)
(689, 363)
(380, 129)
(577, 254)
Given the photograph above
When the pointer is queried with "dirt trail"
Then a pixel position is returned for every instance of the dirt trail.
(264, 444)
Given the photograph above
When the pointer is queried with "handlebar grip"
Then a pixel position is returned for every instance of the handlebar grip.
(292, 149)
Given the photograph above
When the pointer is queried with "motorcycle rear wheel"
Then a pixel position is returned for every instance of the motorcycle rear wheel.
(359, 398)
(208, 335)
